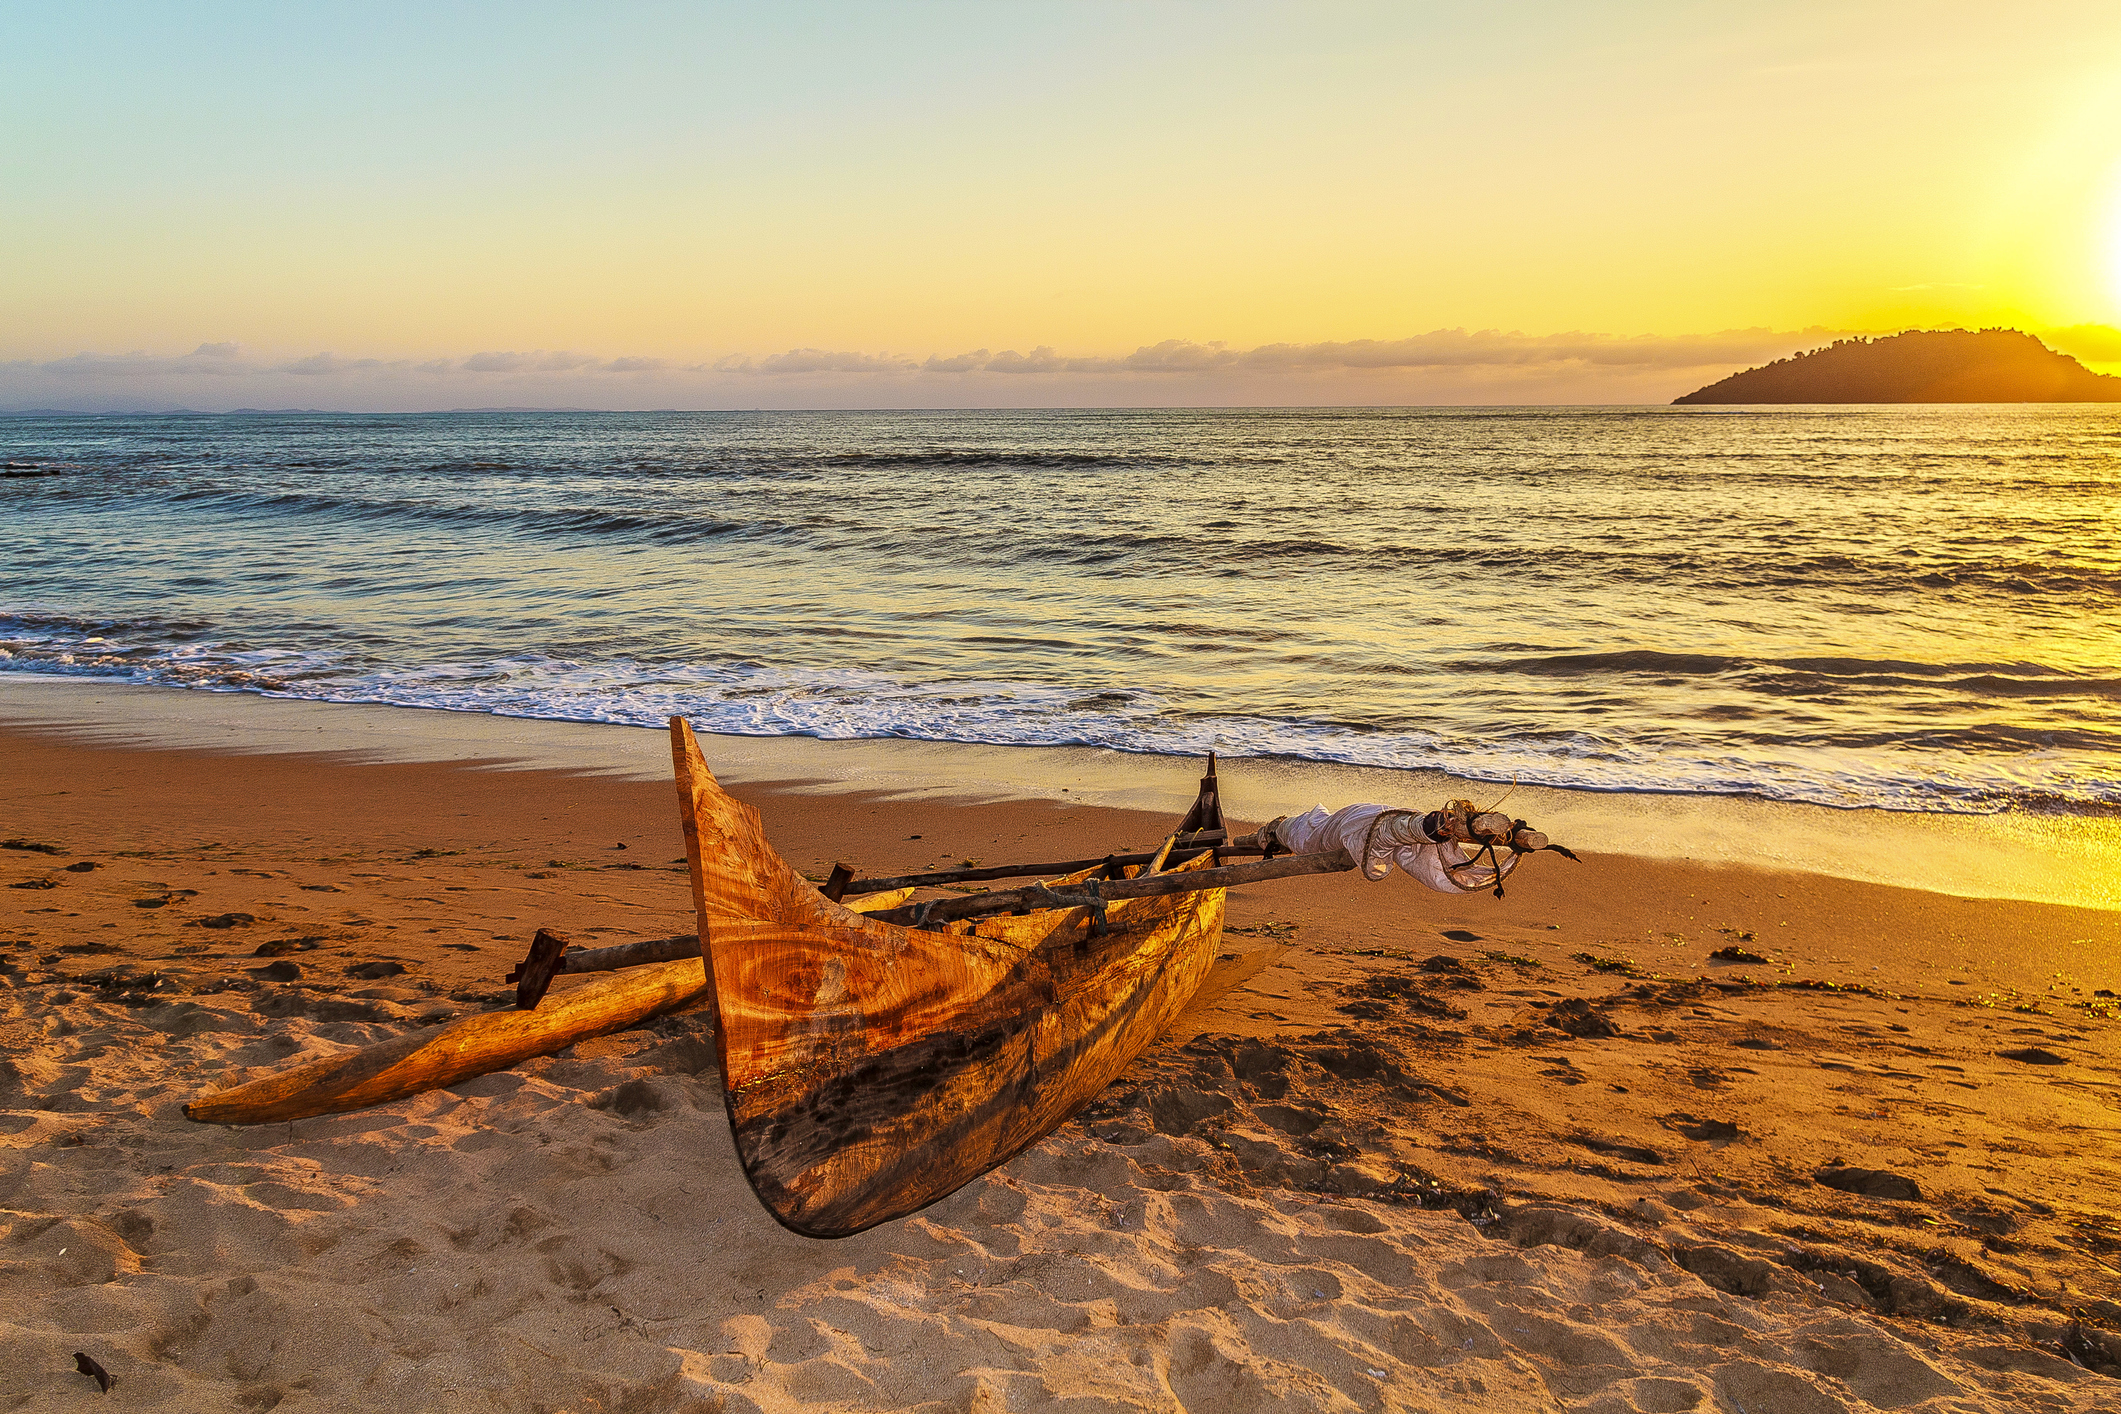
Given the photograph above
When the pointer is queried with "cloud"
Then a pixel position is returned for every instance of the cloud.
(1442, 366)
(1442, 348)
(962, 363)
(326, 365)
(820, 361)
(207, 358)
(539, 362)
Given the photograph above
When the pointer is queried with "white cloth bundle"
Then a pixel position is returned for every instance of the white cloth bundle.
(1379, 836)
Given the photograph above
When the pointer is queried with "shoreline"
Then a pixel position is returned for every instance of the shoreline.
(1405, 1149)
(2068, 860)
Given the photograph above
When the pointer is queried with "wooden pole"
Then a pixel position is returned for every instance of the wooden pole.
(1188, 847)
(444, 1055)
(1093, 892)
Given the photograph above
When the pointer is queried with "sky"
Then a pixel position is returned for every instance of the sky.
(382, 207)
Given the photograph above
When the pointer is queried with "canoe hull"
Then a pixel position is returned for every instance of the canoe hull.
(870, 1069)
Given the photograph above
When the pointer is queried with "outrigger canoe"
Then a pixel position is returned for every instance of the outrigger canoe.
(877, 1055)
(870, 1068)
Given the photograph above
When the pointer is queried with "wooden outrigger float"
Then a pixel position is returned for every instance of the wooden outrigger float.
(875, 1054)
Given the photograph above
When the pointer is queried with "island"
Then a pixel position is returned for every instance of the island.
(1920, 366)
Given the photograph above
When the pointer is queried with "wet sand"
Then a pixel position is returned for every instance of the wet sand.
(1406, 1152)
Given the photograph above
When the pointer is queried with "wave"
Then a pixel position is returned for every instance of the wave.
(2005, 680)
(1000, 459)
(1945, 771)
(1069, 537)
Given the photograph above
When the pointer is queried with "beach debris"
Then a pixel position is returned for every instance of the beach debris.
(1513, 959)
(534, 974)
(277, 972)
(32, 846)
(85, 866)
(36, 884)
(224, 920)
(279, 947)
(1734, 953)
(1869, 1183)
(87, 1366)
(1620, 965)
(2034, 1055)
(1580, 1019)
(371, 971)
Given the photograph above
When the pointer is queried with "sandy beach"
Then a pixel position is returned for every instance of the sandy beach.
(1406, 1152)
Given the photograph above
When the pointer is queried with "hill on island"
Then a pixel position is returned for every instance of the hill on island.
(1920, 366)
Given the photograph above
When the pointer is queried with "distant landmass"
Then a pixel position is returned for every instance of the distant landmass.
(1920, 366)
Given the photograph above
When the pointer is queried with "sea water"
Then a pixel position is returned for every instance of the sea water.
(1916, 608)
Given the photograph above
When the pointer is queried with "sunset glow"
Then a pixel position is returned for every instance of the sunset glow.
(664, 193)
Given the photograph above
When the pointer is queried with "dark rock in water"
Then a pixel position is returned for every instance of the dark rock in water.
(1734, 953)
(2033, 1055)
(36, 884)
(1870, 1183)
(1576, 1017)
(83, 867)
(32, 846)
(372, 970)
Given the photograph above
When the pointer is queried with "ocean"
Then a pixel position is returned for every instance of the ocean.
(1910, 608)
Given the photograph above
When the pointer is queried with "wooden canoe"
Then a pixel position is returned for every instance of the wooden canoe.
(870, 1069)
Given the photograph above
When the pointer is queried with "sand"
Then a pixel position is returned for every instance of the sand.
(1406, 1152)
